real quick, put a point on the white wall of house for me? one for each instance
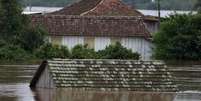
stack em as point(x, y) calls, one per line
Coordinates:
point(72, 41)
point(101, 43)
point(136, 44)
point(140, 45)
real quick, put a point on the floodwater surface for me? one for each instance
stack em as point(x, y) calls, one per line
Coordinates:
point(14, 86)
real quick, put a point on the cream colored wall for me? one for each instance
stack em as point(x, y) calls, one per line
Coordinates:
point(56, 40)
point(90, 42)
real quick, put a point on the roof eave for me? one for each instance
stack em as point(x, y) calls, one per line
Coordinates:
point(38, 74)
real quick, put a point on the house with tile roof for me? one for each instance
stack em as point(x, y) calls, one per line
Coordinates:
point(98, 23)
point(104, 75)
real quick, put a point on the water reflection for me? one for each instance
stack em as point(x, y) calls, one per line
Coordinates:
point(14, 83)
point(16, 92)
point(188, 97)
point(69, 95)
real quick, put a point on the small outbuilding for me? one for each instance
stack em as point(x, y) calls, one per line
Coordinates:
point(104, 75)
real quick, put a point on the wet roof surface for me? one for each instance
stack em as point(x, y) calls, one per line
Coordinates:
point(111, 75)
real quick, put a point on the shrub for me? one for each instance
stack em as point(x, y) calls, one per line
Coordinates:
point(49, 51)
point(16, 27)
point(117, 51)
point(13, 53)
point(82, 52)
point(33, 38)
point(2, 43)
point(179, 38)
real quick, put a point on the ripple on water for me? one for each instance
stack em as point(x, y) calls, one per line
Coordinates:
point(16, 92)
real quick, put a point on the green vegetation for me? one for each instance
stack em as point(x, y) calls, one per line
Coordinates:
point(33, 38)
point(140, 4)
point(198, 5)
point(116, 51)
point(179, 38)
point(13, 53)
point(49, 51)
point(18, 38)
point(16, 29)
point(82, 52)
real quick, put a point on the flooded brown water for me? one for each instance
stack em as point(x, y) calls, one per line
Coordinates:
point(14, 86)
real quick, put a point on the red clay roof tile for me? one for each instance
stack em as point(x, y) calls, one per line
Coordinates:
point(98, 8)
point(111, 26)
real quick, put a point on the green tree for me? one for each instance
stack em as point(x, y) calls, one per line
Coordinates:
point(49, 51)
point(198, 5)
point(13, 53)
point(179, 38)
point(16, 28)
point(33, 38)
point(117, 51)
point(12, 21)
point(18, 39)
point(82, 52)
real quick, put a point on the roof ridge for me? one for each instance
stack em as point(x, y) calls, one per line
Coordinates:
point(78, 7)
point(117, 7)
point(92, 8)
point(99, 8)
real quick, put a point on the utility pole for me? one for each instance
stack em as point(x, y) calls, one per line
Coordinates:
point(159, 11)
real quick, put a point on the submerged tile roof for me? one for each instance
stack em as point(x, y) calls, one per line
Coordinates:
point(109, 26)
point(109, 75)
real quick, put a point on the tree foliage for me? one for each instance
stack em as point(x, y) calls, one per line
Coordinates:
point(33, 38)
point(49, 51)
point(82, 52)
point(198, 5)
point(13, 53)
point(12, 21)
point(179, 38)
point(117, 51)
point(16, 28)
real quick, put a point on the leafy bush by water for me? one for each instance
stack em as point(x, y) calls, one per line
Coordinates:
point(82, 52)
point(117, 51)
point(179, 38)
point(49, 51)
point(13, 53)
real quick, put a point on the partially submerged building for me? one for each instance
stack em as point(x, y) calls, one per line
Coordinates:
point(104, 75)
point(100, 23)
